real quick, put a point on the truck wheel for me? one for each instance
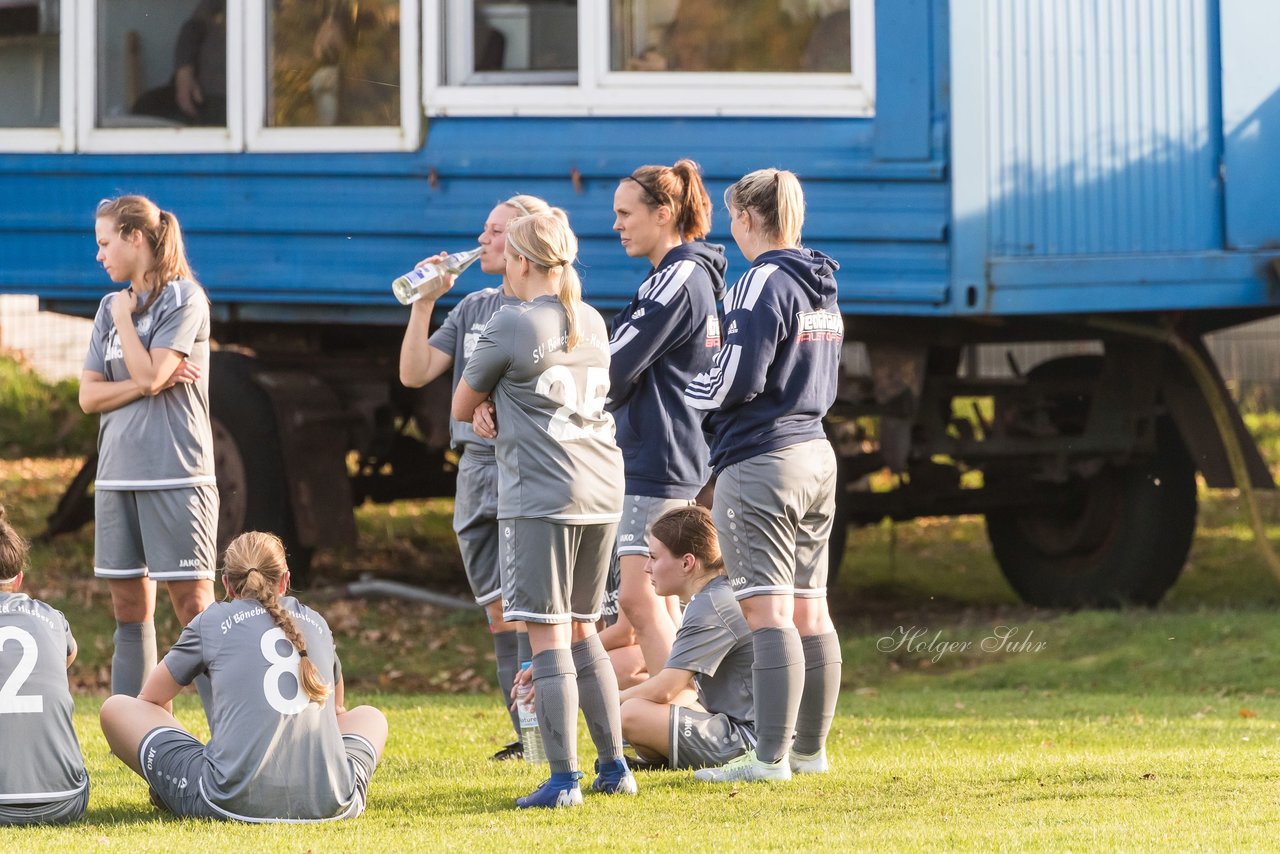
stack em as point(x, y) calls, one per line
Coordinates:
point(252, 492)
point(1121, 539)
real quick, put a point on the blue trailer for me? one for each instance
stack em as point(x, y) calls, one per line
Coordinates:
point(986, 172)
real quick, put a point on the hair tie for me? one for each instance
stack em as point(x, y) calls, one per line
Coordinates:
point(302, 653)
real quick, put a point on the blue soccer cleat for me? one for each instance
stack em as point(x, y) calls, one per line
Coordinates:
point(614, 778)
point(560, 791)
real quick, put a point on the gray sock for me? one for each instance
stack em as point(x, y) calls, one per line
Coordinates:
point(524, 649)
point(134, 657)
point(205, 689)
point(506, 649)
point(598, 696)
point(821, 688)
point(777, 683)
point(557, 705)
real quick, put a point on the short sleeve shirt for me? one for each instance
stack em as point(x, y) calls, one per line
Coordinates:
point(714, 643)
point(556, 453)
point(42, 761)
point(457, 336)
point(162, 441)
point(272, 753)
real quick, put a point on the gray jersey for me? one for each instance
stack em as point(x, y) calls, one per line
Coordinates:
point(271, 752)
point(457, 336)
point(556, 455)
point(162, 441)
point(42, 760)
point(714, 643)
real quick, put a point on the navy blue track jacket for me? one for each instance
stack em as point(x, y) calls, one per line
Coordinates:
point(775, 377)
point(667, 335)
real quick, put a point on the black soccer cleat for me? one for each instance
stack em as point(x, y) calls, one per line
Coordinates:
point(514, 750)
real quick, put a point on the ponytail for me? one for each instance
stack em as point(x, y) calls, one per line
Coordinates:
point(776, 198)
point(163, 235)
point(254, 565)
point(546, 240)
point(680, 188)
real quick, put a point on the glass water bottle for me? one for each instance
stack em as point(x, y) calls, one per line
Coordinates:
point(428, 280)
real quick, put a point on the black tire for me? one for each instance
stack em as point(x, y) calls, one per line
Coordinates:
point(252, 491)
point(1121, 539)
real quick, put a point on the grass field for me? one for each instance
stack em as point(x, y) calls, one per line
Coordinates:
point(968, 721)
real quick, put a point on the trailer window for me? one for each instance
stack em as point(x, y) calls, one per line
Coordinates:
point(730, 35)
point(519, 42)
point(29, 97)
point(334, 64)
point(654, 57)
point(161, 63)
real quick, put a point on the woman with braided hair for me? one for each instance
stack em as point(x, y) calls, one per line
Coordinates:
point(282, 746)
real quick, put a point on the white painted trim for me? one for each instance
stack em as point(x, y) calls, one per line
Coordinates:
point(406, 137)
point(90, 138)
point(62, 137)
point(600, 91)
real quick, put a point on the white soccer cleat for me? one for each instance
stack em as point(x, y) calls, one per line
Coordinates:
point(746, 768)
point(810, 763)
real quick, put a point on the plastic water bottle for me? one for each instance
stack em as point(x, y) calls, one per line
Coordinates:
point(530, 735)
point(428, 280)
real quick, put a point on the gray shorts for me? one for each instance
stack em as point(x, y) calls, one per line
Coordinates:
point(167, 534)
point(773, 515)
point(560, 573)
point(49, 812)
point(702, 739)
point(173, 762)
point(639, 512)
point(475, 521)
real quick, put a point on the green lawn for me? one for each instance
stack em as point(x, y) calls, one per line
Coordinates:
point(1120, 730)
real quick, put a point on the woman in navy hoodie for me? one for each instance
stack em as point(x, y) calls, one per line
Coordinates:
point(667, 335)
point(765, 397)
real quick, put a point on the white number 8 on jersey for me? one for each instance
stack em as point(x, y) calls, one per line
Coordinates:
point(280, 665)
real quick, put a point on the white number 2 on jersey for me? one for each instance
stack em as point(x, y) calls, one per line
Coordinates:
point(10, 702)
point(557, 383)
point(280, 665)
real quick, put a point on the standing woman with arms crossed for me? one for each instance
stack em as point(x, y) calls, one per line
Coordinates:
point(155, 498)
point(545, 364)
point(771, 385)
point(667, 335)
point(423, 357)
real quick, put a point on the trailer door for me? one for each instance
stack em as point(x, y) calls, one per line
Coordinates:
point(1251, 122)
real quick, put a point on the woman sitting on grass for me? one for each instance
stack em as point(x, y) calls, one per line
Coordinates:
point(663, 718)
point(282, 747)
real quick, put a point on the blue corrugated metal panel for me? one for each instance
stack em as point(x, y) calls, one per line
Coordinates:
point(1101, 127)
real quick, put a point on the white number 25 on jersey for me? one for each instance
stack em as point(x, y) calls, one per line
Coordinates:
point(557, 384)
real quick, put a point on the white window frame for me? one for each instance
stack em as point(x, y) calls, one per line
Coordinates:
point(406, 137)
point(91, 138)
point(601, 91)
point(63, 136)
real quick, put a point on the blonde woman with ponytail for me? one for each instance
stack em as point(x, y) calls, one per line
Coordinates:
point(283, 747)
point(545, 366)
point(765, 398)
point(426, 355)
point(146, 374)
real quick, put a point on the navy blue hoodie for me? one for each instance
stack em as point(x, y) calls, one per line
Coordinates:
point(775, 377)
point(667, 335)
